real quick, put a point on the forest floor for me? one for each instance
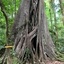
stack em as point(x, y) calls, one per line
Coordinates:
point(54, 62)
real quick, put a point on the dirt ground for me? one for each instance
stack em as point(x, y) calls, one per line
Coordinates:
point(54, 62)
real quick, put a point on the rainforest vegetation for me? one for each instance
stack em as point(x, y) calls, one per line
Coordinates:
point(26, 24)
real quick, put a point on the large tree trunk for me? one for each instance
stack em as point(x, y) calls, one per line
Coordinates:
point(30, 33)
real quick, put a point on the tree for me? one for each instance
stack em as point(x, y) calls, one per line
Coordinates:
point(5, 52)
point(62, 10)
point(30, 33)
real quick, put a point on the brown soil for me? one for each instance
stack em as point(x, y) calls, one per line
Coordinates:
point(54, 62)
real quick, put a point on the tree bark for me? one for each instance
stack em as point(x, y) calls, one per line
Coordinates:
point(30, 32)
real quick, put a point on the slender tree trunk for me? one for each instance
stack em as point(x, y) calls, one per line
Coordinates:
point(62, 10)
point(55, 19)
point(7, 51)
point(51, 18)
